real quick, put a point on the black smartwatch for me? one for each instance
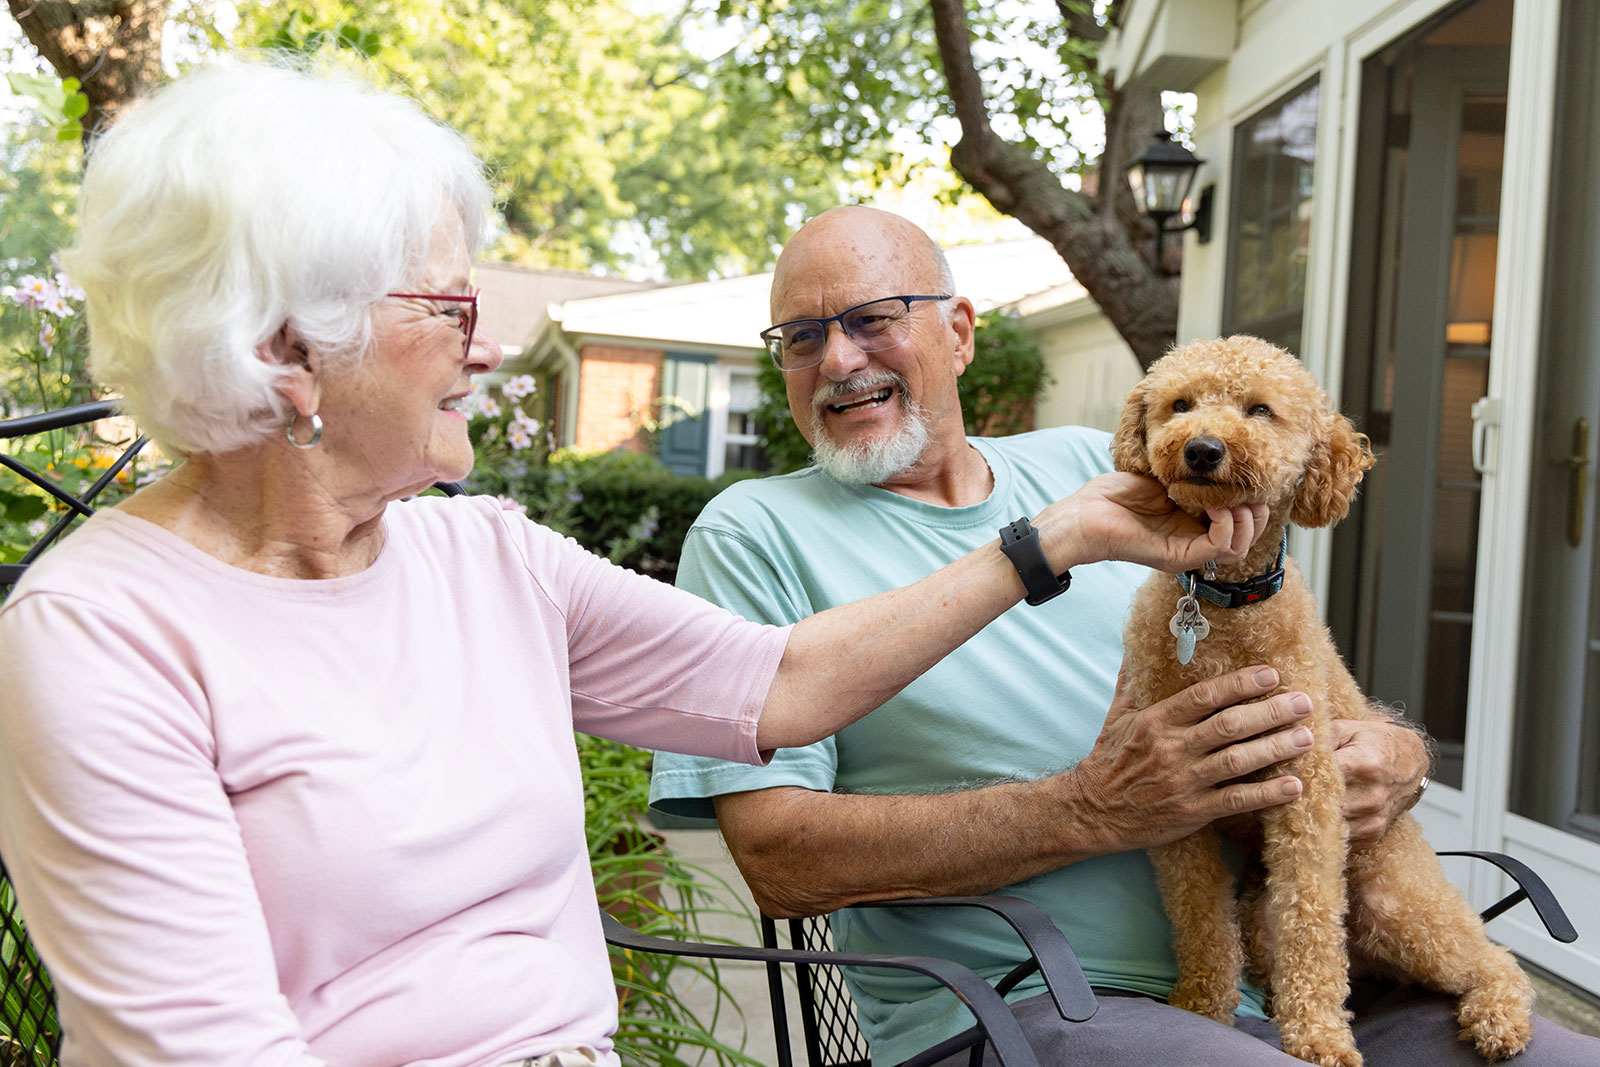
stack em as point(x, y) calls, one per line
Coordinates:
point(1020, 542)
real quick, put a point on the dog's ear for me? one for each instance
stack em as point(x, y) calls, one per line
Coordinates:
point(1127, 444)
point(1338, 462)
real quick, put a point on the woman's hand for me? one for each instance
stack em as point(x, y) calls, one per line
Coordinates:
point(1129, 517)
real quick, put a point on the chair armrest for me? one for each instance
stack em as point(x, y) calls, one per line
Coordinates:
point(1529, 887)
point(1052, 954)
point(59, 419)
point(74, 505)
point(993, 1015)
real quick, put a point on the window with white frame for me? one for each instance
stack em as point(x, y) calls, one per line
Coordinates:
point(742, 441)
point(1269, 223)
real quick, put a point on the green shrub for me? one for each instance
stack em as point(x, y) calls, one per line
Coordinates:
point(632, 509)
point(1005, 377)
point(623, 505)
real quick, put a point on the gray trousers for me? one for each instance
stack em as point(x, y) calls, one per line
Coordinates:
point(1394, 1027)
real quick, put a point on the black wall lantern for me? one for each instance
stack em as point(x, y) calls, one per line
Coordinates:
point(1161, 178)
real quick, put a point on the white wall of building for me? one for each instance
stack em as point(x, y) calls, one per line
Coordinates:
point(1091, 367)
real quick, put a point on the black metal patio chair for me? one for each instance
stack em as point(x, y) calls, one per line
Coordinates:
point(829, 1031)
point(74, 505)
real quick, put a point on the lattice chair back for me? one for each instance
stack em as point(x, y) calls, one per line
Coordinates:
point(72, 505)
point(29, 1033)
point(827, 1014)
point(30, 1036)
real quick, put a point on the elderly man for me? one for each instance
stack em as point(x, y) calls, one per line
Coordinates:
point(1000, 769)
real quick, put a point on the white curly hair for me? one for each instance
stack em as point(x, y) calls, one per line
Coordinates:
point(242, 198)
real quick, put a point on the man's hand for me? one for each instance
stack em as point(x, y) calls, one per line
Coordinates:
point(1159, 774)
point(1129, 517)
point(1383, 765)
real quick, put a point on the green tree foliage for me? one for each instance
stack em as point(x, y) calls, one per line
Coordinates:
point(614, 143)
point(997, 392)
point(608, 140)
point(1019, 81)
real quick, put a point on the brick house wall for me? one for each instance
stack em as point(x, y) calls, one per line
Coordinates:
point(614, 389)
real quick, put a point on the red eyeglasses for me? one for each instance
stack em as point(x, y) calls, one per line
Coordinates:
point(467, 316)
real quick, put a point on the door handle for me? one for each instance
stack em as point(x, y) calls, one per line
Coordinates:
point(1485, 414)
point(1577, 465)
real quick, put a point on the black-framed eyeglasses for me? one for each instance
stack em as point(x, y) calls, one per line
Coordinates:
point(467, 316)
point(872, 327)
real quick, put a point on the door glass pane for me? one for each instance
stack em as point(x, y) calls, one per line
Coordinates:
point(1469, 325)
point(1274, 162)
point(1556, 766)
point(1422, 310)
point(684, 426)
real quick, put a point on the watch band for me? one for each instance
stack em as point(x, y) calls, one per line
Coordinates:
point(1020, 542)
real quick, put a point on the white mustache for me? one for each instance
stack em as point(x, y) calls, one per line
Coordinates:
point(861, 383)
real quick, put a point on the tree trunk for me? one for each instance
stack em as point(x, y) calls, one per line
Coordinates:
point(113, 48)
point(1101, 236)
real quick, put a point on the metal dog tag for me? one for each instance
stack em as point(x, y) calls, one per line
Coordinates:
point(1188, 626)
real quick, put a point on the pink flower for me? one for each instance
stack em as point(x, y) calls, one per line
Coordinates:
point(32, 291)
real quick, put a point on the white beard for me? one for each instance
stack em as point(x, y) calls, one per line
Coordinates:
point(878, 459)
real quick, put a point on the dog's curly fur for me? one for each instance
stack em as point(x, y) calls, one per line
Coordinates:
point(1282, 445)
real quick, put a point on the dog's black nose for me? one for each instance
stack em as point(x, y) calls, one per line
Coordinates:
point(1204, 454)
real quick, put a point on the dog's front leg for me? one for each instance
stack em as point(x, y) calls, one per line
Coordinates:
point(1304, 855)
point(1197, 889)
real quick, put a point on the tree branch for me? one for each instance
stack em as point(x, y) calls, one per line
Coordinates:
point(1139, 303)
point(112, 47)
point(1079, 17)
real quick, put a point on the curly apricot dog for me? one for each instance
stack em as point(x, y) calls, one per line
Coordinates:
point(1239, 421)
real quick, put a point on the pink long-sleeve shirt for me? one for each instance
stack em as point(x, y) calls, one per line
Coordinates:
point(263, 821)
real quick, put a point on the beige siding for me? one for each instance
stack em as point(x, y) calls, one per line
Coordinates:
point(1091, 367)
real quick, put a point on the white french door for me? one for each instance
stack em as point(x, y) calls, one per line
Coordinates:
point(1467, 584)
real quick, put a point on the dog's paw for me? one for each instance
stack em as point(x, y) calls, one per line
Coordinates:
point(1339, 1056)
point(1497, 1022)
point(1207, 999)
point(1326, 1042)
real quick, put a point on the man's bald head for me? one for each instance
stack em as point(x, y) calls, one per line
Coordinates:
point(864, 245)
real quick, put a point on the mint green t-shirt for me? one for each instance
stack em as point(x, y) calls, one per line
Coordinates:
point(1023, 699)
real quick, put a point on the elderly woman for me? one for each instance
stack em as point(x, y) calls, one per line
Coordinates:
point(288, 770)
